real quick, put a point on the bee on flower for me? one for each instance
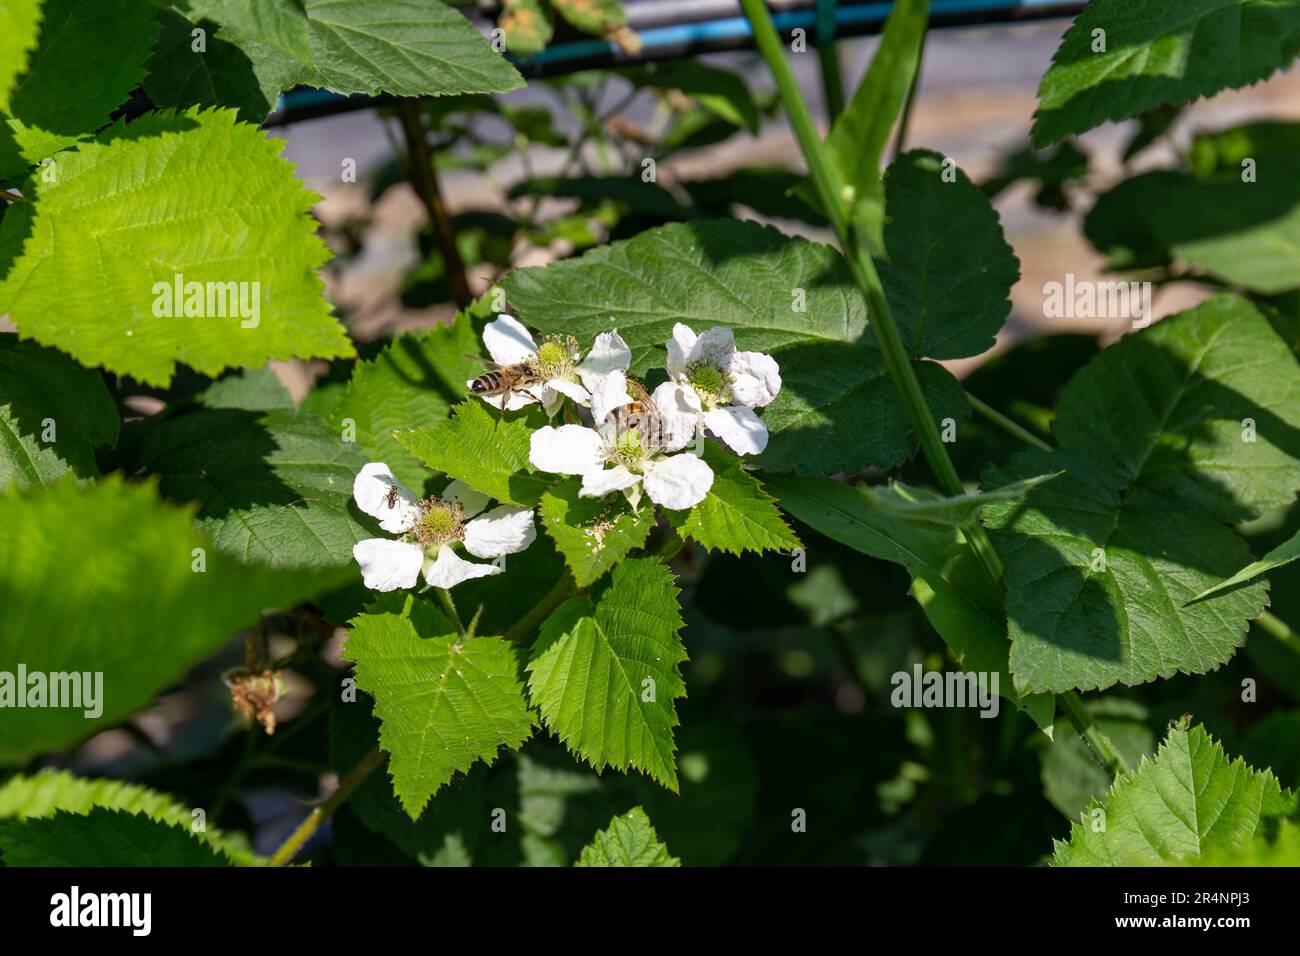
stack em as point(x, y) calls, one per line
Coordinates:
point(525, 372)
point(720, 387)
point(633, 447)
point(430, 531)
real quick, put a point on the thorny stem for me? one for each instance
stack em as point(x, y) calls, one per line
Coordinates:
point(897, 361)
point(448, 605)
point(290, 847)
point(829, 58)
point(905, 121)
point(1103, 751)
point(424, 177)
point(1013, 428)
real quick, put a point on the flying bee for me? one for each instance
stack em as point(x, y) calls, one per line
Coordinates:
point(505, 380)
point(643, 415)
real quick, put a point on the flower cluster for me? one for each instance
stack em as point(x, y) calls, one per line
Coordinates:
point(617, 437)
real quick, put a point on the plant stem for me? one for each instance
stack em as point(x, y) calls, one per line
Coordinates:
point(290, 847)
point(1013, 428)
point(905, 120)
point(424, 177)
point(564, 589)
point(448, 605)
point(1096, 741)
point(828, 58)
point(897, 361)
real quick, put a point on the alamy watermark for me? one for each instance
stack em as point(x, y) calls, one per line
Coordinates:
point(57, 690)
point(942, 689)
point(208, 300)
point(1085, 299)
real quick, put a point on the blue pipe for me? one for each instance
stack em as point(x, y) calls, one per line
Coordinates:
point(729, 28)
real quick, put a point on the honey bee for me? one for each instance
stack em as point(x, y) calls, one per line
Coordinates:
point(505, 380)
point(643, 415)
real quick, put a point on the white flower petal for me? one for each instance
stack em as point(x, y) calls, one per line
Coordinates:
point(755, 378)
point(569, 389)
point(680, 414)
point(567, 450)
point(506, 529)
point(597, 484)
point(388, 565)
point(713, 347)
point(608, 354)
point(372, 489)
point(678, 482)
point(471, 500)
point(507, 340)
point(679, 347)
point(608, 392)
point(516, 401)
point(449, 569)
point(739, 428)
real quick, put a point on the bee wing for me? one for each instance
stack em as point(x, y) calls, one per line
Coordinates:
point(487, 363)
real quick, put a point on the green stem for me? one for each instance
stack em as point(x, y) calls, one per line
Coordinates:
point(1096, 741)
point(564, 589)
point(448, 605)
point(905, 120)
point(290, 847)
point(897, 361)
point(1013, 428)
point(828, 58)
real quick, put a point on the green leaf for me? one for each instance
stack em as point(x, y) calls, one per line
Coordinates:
point(246, 76)
point(251, 389)
point(737, 515)
point(593, 534)
point(131, 590)
point(1243, 234)
point(20, 22)
point(1188, 801)
point(914, 504)
point(528, 26)
point(372, 46)
point(949, 584)
point(123, 219)
point(947, 302)
point(1279, 849)
point(104, 837)
point(1101, 562)
point(40, 387)
point(445, 701)
point(719, 91)
point(90, 56)
point(860, 134)
point(1284, 553)
point(630, 840)
point(486, 450)
point(605, 678)
point(749, 278)
point(43, 794)
point(1171, 51)
point(414, 381)
point(273, 487)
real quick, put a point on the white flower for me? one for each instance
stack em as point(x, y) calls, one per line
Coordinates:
point(612, 460)
point(719, 386)
point(429, 531)
point(554, 363)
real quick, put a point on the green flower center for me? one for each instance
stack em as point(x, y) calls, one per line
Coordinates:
point(709, 383)
point(440, 522)
point(556, 356)
point(627, 449)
